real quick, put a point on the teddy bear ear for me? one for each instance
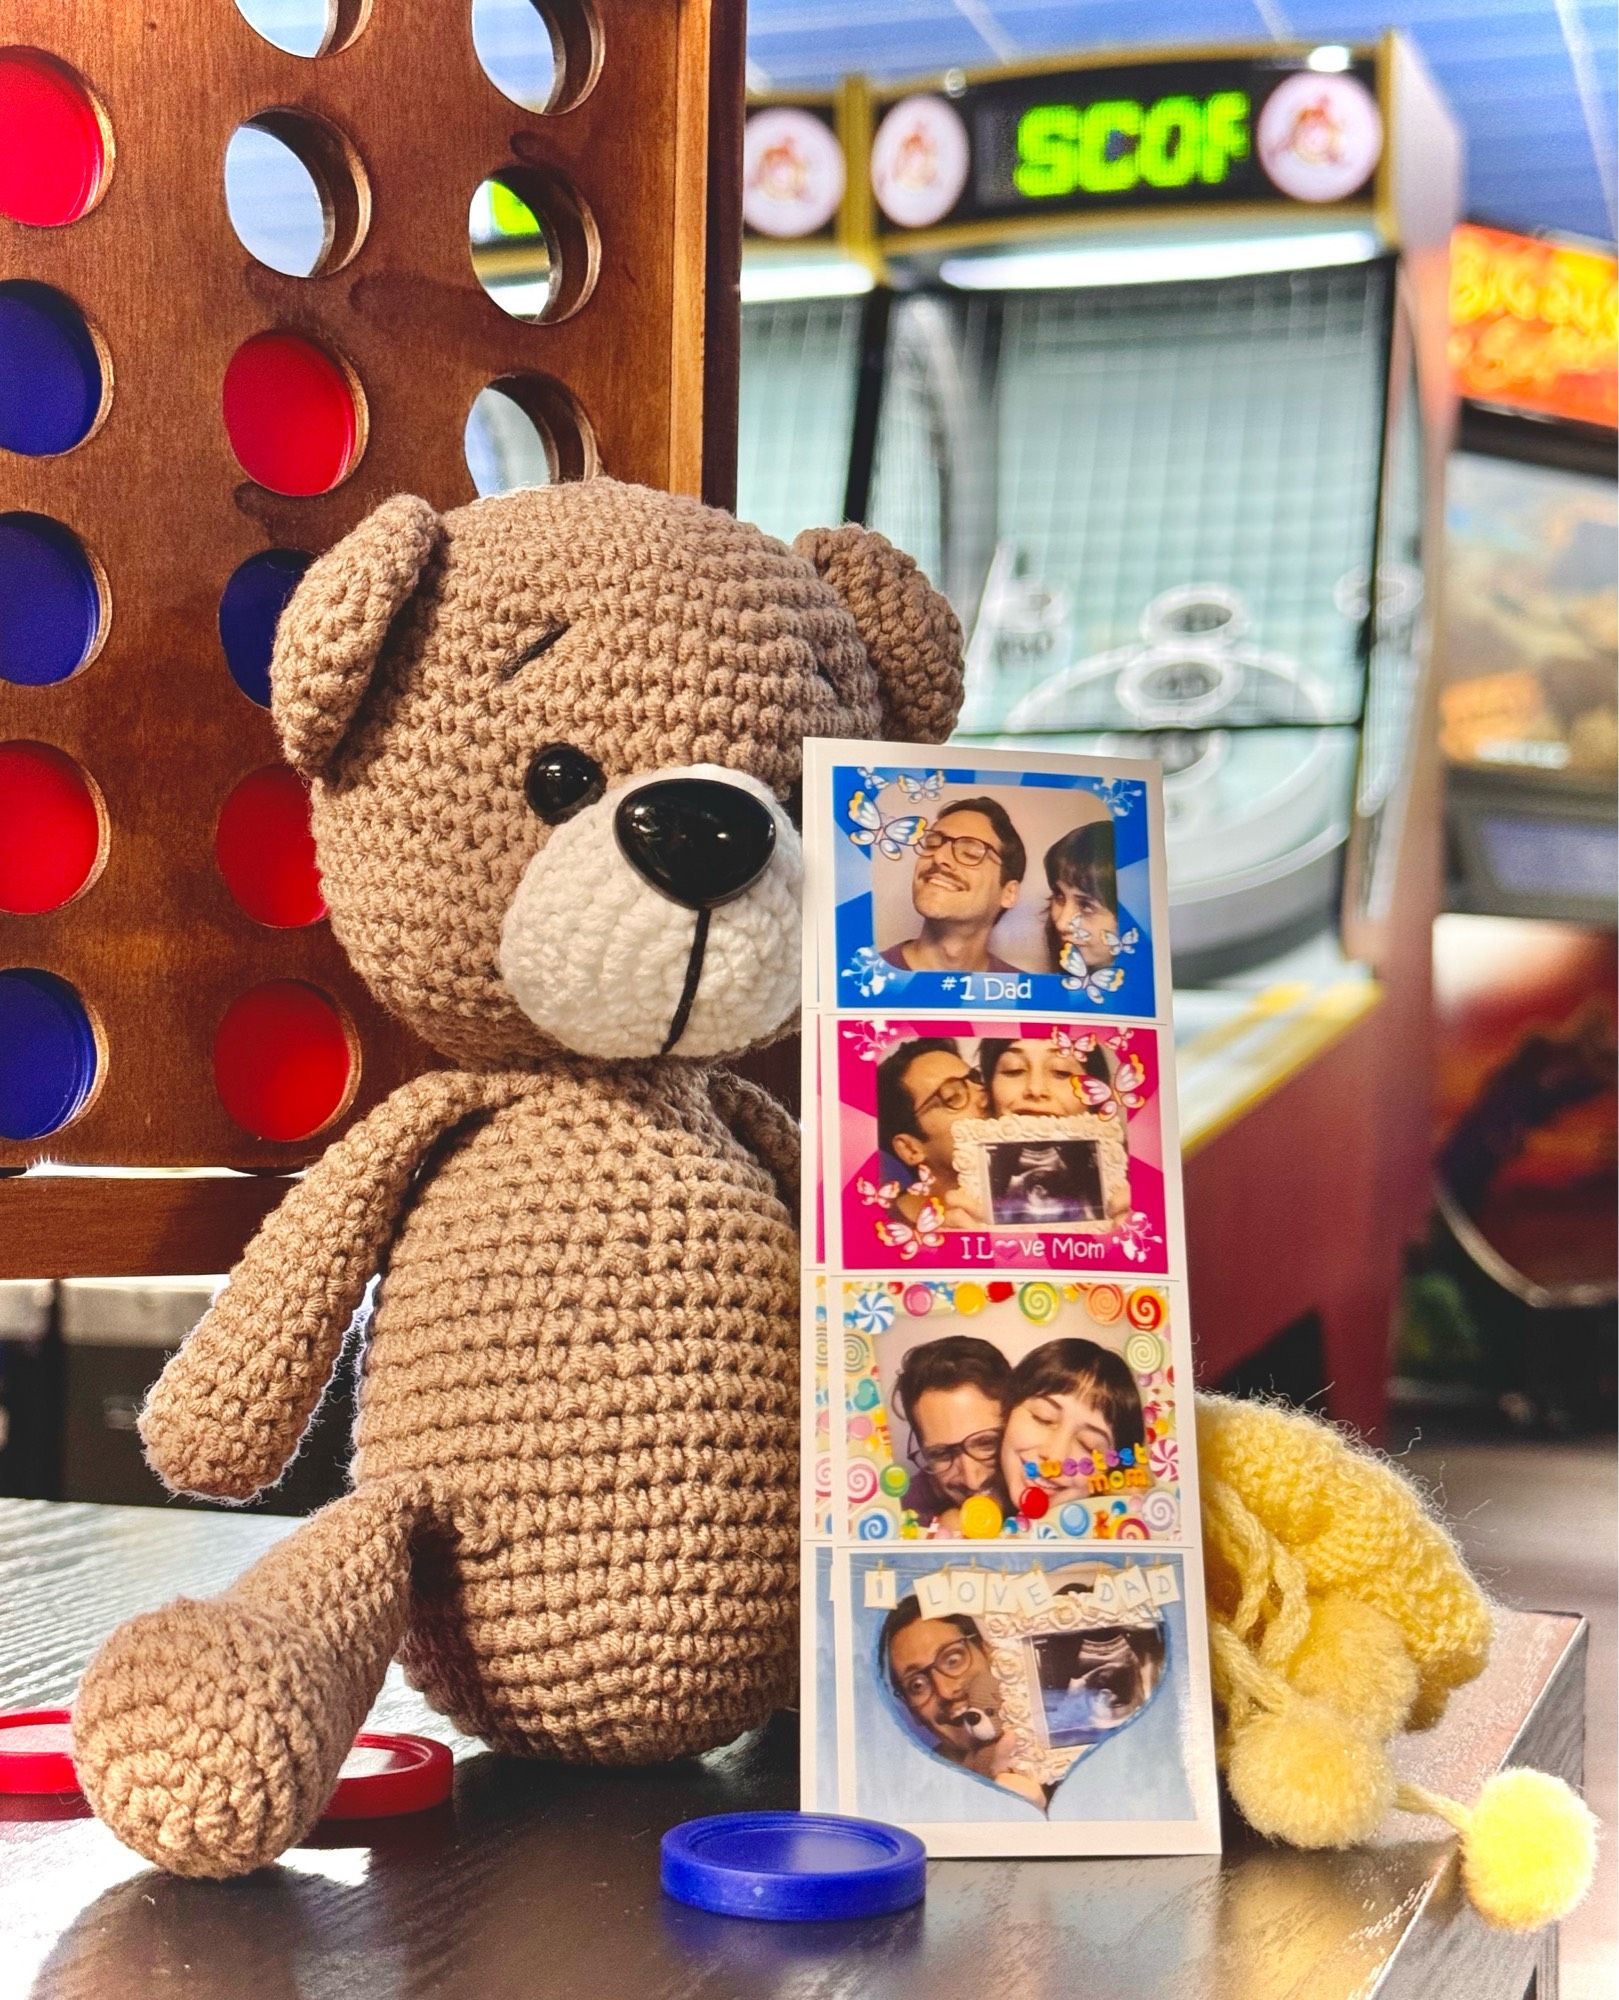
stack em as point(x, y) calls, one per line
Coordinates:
point(335, 622)
point(911, 635)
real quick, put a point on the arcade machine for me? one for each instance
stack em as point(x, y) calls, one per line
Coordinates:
point(237, 310)
point(1199, 302)
point(1517, 1307)
point(808, 315)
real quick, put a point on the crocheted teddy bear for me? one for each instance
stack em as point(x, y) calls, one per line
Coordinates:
point(553, 740)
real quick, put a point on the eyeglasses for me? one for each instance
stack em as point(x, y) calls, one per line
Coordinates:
point(983, 1447)
point(955, 1094)
point(967, 847)
point(951, 1663)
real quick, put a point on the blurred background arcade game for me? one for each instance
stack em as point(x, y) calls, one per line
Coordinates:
point(1144, 356)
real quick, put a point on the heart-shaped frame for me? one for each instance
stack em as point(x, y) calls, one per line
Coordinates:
point(1068, 1669)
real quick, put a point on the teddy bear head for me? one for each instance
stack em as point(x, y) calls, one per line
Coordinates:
point(554, 742)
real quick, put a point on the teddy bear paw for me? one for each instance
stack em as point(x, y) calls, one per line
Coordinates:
point(195, 1742)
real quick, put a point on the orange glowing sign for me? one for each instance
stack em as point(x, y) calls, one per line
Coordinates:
point(1532, 324)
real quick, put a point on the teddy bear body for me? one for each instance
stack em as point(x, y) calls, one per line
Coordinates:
point(585, 1351)
point(554, 742)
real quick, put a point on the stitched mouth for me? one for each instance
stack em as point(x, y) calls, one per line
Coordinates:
point(688, 992)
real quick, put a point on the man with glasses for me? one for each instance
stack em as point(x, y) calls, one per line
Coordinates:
point(924, 1087)
point(950, 1394)
point(939, 1668)
point(968, 873)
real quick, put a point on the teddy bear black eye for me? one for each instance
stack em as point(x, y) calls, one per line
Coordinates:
point(562, 781)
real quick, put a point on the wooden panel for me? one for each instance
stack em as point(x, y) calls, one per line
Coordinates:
point(156, 946)
point(150, 1226)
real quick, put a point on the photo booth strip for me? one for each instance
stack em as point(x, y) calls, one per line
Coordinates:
point(1033, 1231)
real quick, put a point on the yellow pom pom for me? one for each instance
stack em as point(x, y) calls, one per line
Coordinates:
point(1310, 1777)
point(1353, 1657)
point(1529, 1850)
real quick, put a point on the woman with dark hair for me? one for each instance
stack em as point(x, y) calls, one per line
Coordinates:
point(1070, 1404)
point(1083, 910)
point(1030, 1076)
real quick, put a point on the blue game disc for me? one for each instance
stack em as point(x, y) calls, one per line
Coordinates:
point(50, 372)
point(50, 602)
point(252, 601)
point(47, 1053)
point(793, 1867)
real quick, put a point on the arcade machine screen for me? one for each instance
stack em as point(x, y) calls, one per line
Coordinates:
point(1527, 709)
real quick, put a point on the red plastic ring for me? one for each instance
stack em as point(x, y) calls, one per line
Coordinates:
point(423, 1777)
point(37, 1770)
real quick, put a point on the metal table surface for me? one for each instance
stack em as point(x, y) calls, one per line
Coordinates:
point(539, 1879)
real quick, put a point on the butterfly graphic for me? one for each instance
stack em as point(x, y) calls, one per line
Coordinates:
point(922, 788)
point(1123, 1093)
point(1121, 947)
point(888, 836)
point(906, 1238)
point(1077, 977)
point(877, 1196)
point(874, 781)
point(1066, 1045)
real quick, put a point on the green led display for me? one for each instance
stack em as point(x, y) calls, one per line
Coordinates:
point(1121, 143)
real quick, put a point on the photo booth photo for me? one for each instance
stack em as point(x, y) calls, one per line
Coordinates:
point(1038, 1140)
point(1003, 1409)
point(976, 888)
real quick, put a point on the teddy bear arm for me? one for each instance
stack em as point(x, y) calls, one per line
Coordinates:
point(764, 1126)
point(228, 1412)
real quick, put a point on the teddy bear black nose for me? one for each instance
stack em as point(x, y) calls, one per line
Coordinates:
point(700, 841)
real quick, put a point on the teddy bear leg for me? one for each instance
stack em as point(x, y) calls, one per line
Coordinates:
point(208, 1735)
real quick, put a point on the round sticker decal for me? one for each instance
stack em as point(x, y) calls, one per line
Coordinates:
point(919, 162)
point(1320, 136)
point(792, 173)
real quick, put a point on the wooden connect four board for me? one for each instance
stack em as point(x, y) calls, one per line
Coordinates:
point(169, 994)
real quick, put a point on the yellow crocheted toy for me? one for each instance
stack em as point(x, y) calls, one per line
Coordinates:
point(1341, 1613)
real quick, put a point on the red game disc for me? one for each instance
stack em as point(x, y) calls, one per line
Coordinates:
point(36, 1751)
point(383, 1775)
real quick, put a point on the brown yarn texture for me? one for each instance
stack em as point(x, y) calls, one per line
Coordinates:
point(575, 1501)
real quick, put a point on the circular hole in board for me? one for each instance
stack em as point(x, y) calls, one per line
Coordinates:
point(526, 430)
point(266, 851)
point(53, 378)
point(53, 829)
point(48, 1053)
point(55, 142)
point(306, 27)
point(296, 193)
point(545, 55)
point(53, 601)
point(293, 413)
point(285, 1060)
point(249, 606)
point(534, 245)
